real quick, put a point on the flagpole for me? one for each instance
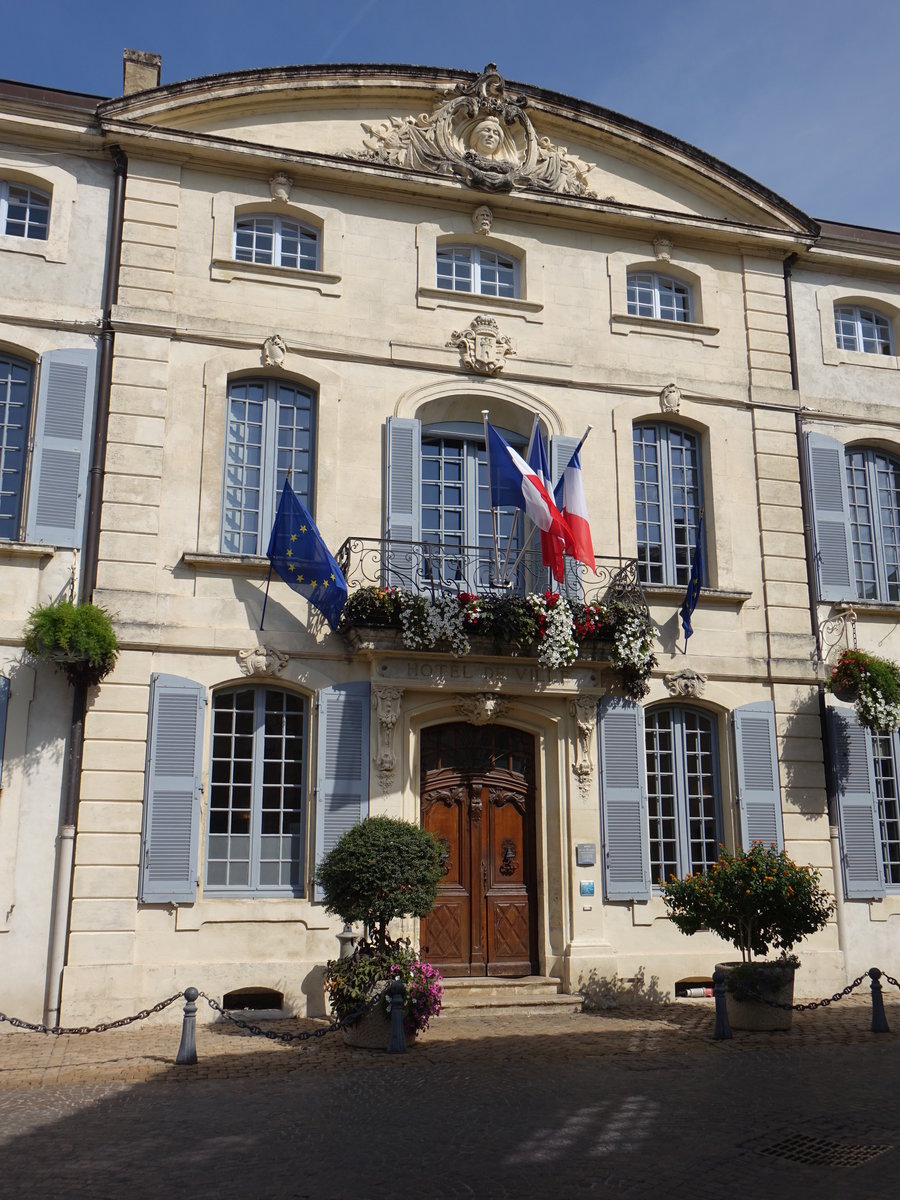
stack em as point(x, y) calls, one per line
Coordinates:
point(266, 598)
point(485, 412)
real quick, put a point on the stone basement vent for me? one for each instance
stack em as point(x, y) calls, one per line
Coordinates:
point(818, 1152)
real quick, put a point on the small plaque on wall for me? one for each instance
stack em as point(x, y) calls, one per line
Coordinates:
point(587, 887)
point(585, 854)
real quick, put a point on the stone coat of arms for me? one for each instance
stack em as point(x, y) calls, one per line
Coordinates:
point(482, 348)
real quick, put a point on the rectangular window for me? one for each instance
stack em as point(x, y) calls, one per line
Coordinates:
point(884, 747)
point(15, 415)
point(24, 211)
point(270, 432)
point(667, 498)
point(682, 792)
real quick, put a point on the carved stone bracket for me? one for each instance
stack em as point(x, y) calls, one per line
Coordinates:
point(273, 351)
point(685, 683)
point(481, 347)
point(481, 708)
point(482, 135)
point(584, 710)
point(262, 660)
point(386, 702)
point(280, 186)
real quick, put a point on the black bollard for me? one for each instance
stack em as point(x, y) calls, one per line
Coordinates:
point(187, 1051)
point(397, 1044)
point(879, 1020)
point(723, 1029)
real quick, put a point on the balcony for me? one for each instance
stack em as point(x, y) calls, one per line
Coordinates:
point(409, 597)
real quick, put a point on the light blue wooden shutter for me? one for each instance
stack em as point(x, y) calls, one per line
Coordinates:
point(62, 447)
point(854, 775)
point(561, 450)
point(835, 571)
point(623, 800)
point(403, 498)
point(759, 790)
point(342, 764)
point(172, 788)
point(4, 705)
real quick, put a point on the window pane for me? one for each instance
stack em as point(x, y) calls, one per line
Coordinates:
point(15, 405)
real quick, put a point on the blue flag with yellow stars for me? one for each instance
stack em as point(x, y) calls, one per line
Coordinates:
point(692, 594)
point(302, 559)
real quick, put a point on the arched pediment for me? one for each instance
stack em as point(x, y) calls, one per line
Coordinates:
point(465, 131)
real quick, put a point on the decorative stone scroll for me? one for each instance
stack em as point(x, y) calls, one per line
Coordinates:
point(386, 702)
point(483, 136)
point(686, 683)
point(481, 708)
point(262, 660)
point(273, 351)
point(670, 398)
point(584, 710)
point(280, 186)
point(482, 348)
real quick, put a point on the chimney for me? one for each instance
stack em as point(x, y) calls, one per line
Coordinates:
point(141, 71)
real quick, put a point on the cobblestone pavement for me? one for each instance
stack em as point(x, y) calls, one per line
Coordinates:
point(634, 1102)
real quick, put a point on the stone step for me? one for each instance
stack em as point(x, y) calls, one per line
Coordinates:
point(498, 994)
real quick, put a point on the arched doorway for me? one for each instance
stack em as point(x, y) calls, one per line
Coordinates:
point(478, 799)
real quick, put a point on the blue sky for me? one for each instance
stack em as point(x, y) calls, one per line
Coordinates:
point(799, 94)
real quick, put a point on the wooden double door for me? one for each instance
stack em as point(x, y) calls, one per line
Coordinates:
point(477, 798)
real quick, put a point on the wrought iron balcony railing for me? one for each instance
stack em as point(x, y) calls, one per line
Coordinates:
point(433, 568)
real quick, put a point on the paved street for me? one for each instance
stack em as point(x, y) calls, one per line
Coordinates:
point(634, 1102)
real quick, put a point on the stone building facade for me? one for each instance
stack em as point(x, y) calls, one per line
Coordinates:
point(338, 273)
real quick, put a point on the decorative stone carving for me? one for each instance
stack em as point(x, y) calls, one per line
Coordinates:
point(386, 701)
point(662, 248)
point(481, 347)
point(262, 660)
point(280, 186)
point(686, 683)
point(481, 708)
point(482, 135)
point(670, 398)
point(584, 710)
point(482, 219)
point(273, 351)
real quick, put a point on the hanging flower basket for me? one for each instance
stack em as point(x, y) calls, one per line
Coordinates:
point(77, 639)
point(871, 684)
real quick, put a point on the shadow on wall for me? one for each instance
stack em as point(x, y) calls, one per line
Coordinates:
point(42, 724)
point(604, 992)
point(802, 764)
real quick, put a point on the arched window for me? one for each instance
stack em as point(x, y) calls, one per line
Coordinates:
point(668, 500)
point(276, 241)
point(863, 329)
point(15, 415)
point(257, 791)
point(24, 211)
point(873, 487)
point(658, 296)
point(683, 791)
point(475, 269)
point(456, 507)
point(270, 432)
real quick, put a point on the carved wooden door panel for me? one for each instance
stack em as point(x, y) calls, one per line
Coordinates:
point(482, 809)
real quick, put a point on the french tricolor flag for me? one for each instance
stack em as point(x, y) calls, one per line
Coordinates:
point(569, 497)
point(555, 541)
point(517, 485)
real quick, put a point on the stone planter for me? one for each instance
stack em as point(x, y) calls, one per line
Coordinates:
point(774, 981)
point(371, 1032)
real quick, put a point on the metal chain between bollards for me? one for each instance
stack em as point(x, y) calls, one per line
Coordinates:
point(62, 1031)
point(743, 991)
point(275, 1036)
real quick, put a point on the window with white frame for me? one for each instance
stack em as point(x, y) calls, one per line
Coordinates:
point(15, 415)
point(886, 756)
point(683, 792)
point(658, 296)
point(276, 241)
point(873, 489)
point(257, 791)
point(270, 432)
point(668, 501)
point(475, 269)
point(24, 211)
point(862, 329)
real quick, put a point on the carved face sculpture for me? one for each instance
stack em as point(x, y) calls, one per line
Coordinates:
point(486, 137)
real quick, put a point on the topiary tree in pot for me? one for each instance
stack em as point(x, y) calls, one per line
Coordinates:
point(381, 870)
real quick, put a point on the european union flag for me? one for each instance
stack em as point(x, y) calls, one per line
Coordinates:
point(302, 559)
point(692, 594)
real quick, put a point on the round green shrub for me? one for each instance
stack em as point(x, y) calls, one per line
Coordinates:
point(78, 639)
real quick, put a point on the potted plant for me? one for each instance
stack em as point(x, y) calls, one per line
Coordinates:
point(77, 639)
point(872, 683)
point(757, 899)
point(380, 870)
